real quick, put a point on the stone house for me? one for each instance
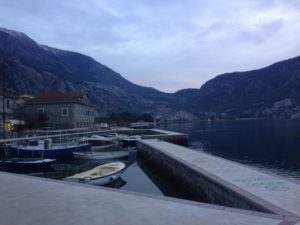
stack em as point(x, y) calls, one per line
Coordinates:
point(8, 107)
point(62, 110)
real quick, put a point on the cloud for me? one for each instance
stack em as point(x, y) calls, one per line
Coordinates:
point(153, 42)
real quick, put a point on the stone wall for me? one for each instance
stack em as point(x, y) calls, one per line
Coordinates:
point(202, 185)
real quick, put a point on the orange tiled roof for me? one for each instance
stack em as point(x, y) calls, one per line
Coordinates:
point(56, 97)
point(75, 95)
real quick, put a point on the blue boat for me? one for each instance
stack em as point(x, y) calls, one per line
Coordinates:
point(45, 149)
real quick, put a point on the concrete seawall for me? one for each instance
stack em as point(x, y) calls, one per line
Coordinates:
point(200, 184)
point(224, 182)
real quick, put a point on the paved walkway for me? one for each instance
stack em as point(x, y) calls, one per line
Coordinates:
point(34, 201)
point(278, 194)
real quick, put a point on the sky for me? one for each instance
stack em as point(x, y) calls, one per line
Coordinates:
point(169, 44)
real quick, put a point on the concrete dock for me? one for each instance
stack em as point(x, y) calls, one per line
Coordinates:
point(35, 201)
point(226, 182)
point(170, 136)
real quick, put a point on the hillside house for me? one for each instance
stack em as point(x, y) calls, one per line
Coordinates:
point(61, 110)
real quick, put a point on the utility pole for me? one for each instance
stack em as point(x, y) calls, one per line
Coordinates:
point(3, 102)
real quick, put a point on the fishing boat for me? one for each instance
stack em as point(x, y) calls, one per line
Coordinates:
point(99, 175)
point(100, 155)
point(26, 163)
point(45, 149)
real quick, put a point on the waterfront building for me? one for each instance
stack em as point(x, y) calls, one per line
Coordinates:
point(61, 110)
point(7, 105)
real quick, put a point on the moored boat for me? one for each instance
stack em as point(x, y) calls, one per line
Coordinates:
point(129, 141)
point(99, 175)
point(96, 140)
point(100, 155)
point(105, 147)
point(45, 149)
point(26, 163)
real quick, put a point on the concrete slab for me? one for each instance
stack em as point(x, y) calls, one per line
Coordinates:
point(278, 194)
point(33, 201)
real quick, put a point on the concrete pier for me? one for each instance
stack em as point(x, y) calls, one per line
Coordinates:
point(169, 136)
point(35, 201)
point(173, 137)
point(226, 182)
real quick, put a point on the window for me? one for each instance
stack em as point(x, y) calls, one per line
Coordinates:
point(7, 104)
point(41, 110)
point(65, 111)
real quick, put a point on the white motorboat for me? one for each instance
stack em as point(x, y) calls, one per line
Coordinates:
point(100, 155)
point(99, 175)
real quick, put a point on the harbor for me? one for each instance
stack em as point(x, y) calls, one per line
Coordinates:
point(234, 193)
point(116, 112)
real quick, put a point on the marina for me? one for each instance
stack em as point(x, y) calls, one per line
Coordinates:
point(236, 193)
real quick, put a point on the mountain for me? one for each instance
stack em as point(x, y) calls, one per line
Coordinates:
point(270, 91)
point(188, 93)
point(31, 68)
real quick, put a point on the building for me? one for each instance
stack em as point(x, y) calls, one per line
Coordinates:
point(20, 101)
point(8, 107)
point(60, 110)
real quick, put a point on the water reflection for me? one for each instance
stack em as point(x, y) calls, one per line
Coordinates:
point(63, 169)
point(132, 179)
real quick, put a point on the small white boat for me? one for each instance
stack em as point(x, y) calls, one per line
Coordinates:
point(99, 175)
point(100, 155)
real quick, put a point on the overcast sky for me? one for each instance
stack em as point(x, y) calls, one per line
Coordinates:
point(166, 44)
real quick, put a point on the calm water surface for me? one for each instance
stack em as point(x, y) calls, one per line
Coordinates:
point(267, 144)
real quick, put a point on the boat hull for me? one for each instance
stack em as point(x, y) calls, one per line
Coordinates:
point(30, 164)
point(95, 176)
point(103, 180)
point(56, 153)
point(112, 147)
point(99, 156)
